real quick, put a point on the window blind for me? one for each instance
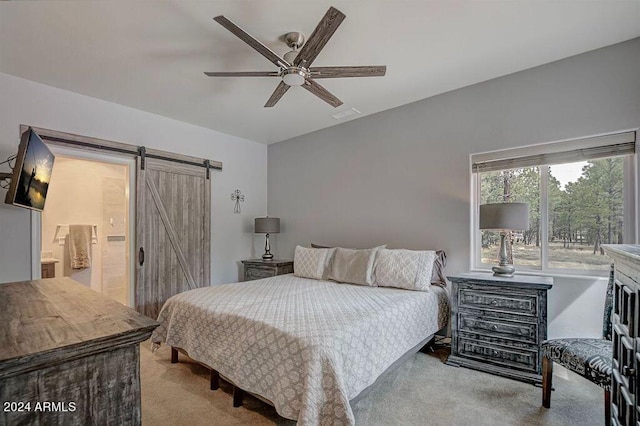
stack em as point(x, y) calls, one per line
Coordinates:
point(556, 153)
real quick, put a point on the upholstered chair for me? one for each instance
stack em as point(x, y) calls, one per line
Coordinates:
point(590, 358)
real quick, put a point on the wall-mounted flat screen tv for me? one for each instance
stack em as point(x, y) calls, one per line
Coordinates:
point(31, 174)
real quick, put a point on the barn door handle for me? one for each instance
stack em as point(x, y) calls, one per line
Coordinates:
point(141, 256)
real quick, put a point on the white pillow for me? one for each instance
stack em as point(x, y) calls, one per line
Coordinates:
point(406, 269)
point(311, 262)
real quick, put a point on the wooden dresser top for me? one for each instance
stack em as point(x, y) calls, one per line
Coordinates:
point(528, 281)
point(52, 319)
point(262, 262)
point(630, 251)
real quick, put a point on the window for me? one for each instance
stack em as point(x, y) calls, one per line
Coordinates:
point(515, 185)
point(580, 195)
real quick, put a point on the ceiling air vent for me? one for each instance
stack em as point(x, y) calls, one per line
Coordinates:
point(346, 113)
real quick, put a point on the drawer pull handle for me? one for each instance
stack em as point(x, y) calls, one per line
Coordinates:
point(494, 327)
point(496, 353)
point(494, 302)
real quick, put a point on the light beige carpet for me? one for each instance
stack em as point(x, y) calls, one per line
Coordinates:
point(423, 391)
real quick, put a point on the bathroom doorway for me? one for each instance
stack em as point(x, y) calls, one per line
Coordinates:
point(86, 228)
point(163, 255)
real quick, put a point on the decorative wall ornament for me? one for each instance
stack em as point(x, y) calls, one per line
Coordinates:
point(238, 198)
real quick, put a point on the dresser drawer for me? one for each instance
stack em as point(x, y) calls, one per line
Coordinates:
point(523, 332)
point(624, 309)
point(628, 275)
point(286, 269)
point(498, 300)
point(514, 358)
point(256, 269)
point(258, 273)
point(622, 401)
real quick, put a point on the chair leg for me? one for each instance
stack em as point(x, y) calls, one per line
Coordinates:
point(547, 376)
point(174, 355)
point(215, 379)
point(607, 408)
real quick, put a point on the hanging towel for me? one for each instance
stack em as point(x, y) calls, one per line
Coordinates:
point(80, 246)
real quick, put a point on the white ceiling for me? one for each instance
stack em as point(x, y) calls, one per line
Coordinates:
point(151, 55)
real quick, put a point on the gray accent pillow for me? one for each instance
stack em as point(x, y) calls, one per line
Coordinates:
point(437, 276)
point(354, 266)
point(319, 246)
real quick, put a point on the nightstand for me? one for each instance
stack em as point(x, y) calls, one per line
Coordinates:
point(255, 269)
point(498, 324)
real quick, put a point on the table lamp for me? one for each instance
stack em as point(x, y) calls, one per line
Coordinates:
point(504, 217)
point(267, 225)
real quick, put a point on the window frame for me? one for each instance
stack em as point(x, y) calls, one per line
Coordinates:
point(630, 178)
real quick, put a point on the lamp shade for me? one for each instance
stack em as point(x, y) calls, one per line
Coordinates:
point(267, 225)
point(511, 216)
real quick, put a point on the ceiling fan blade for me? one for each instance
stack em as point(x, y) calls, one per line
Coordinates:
point(281, 89)
point(339, 72)
point(322, 93)
point(251, 41)
point(320, 36)
point(244, 74)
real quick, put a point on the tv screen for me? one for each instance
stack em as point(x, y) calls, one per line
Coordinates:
point(31, 174)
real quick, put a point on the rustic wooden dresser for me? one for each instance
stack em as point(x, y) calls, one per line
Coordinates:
point(625, 383)
point(497, 324)
point(68, 355)
point(255, 269)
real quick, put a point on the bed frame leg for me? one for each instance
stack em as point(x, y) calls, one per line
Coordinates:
point(215, 379)
point(429, 347)
point(237, 396)
point(174, 355)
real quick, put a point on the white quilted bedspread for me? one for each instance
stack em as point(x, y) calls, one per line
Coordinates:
point(308, 346)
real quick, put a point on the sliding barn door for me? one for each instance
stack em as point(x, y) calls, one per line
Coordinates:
point(172, 232)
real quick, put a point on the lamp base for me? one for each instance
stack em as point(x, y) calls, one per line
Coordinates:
point(504, 268)
point(267, 250)
point(505, 271)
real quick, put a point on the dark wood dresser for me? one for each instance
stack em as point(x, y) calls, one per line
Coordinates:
point(255, 269)
point(68, 355)
point(498, 324)
point(625, 383)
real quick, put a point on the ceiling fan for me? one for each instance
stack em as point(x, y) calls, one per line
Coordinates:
point(295, 67)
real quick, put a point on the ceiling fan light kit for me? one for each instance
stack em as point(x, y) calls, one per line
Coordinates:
point(295, 67)
point(294, 76)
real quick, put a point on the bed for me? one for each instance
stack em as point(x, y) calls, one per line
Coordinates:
point(306, 346)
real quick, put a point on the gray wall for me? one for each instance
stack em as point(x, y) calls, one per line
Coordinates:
point(244, 162)
point(401, 177)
